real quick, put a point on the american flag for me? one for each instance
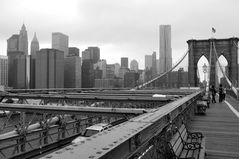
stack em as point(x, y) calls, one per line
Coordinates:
point(213, 30)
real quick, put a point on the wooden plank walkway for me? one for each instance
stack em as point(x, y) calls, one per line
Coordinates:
point(221, 128)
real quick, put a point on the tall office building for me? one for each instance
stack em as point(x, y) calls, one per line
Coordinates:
point(49, 68)
point(34, 50)
point(91, 53)
point(154, 64)
point(3, 70)
point(165, 51)
point(87, 73)
point(72, 72)
point(17, 63)
point(134, 65)
point(34, 45)
point(12, 43)
point(148, 62)
point(23, 40)
point(117, 68)
point(60, 42)
point(124, 62)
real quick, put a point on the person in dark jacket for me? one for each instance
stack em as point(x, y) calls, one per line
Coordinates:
point(213, 92)
point(221, 91)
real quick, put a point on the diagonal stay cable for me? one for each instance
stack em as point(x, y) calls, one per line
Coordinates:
point(224, 75)
point(154, 79)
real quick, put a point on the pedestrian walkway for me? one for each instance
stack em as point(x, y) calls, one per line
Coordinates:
point(220, 125)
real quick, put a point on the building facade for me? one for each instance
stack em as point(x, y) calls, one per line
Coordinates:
point(4, 71)
point(17, 63)
point(72, 72)
point(165, 51)
point(34, 50)
point(131, 79)
point(91, 53)
point(34, 45)
point(124, 62)
point(23, 40)
point(12, 43)
point(73, 51)
point(60, 42)
point(148, 62)
point(154, 64)
point(134, 65)
point(49, 68)
point(88, 76)
point(101, 65)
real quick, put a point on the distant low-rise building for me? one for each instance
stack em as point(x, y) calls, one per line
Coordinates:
point(110, 71)
point(109, 83)
point(131, 79)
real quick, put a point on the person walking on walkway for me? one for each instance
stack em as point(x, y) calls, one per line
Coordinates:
point(213, 92)
point(221, 91)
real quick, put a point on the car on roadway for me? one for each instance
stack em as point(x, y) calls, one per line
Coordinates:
point(90, 131)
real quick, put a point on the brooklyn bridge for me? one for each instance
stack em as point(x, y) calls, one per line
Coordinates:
point(151, 120)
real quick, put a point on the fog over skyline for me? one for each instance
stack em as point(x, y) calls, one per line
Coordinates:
point(123, 28)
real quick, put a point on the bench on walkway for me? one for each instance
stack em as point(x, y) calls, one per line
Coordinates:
point(187, 145)
point(206, 98)
point(201, 107)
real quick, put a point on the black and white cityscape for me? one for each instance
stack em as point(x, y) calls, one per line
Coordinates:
point(128, 79)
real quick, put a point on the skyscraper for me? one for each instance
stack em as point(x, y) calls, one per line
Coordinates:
point(91, 53)
point(72, 72)
point(60, 42)
point(34, 50)
point(154, 64)
point(49, 68)
point(23, 40)
point(87, 74)
point(3, 70)
point(17, 69)
point(148, 62)
point(124, 62)
point(12, 43)
point(34, 45)
point(134, 65)
point(165, 51)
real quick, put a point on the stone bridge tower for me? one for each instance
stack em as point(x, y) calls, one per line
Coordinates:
point(225, 47)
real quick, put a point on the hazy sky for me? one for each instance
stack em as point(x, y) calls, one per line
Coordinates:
point(119, 27)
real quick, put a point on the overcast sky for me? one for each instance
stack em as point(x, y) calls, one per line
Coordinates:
point(119, 27)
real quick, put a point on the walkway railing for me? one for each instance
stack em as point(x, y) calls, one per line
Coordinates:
point(141, 135)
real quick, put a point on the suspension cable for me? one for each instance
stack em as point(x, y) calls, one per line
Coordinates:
point(154, 79)
point(227, 79)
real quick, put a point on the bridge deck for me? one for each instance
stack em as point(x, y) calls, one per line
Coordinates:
point(221, 128)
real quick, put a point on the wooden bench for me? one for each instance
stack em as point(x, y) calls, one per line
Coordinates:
point(186, 145)
point(206, 98)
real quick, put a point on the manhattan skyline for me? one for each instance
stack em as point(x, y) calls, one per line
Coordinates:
point(118, 28)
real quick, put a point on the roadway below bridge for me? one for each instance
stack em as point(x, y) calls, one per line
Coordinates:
point(220, 125)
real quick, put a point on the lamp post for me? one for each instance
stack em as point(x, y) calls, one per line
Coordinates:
point(204, 69)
